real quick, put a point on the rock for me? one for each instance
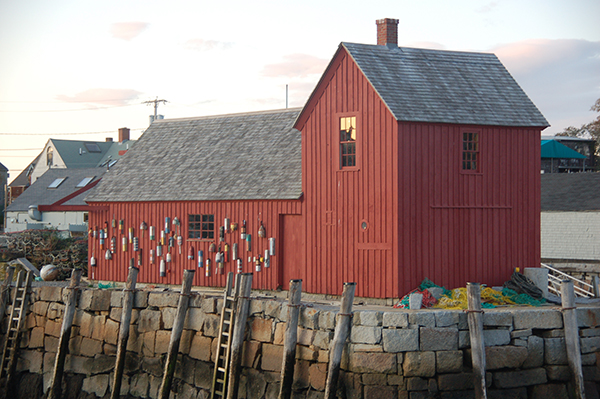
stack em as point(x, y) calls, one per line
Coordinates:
point(555, 351)
point(438, 338)
point(368, 318)
point(395, 319)
point(448, 361)
point(272, 356)
point(163, 299)
point(537, 318)
point(261, 330)
point(365, 334)
point(200, 348)
point(496, 337)
point(446, 318)
point(419, 364)
point(400, 340)
point(498, 357)
point(535, 352)
point(364, 362)
point(96, 384)
point(522, 378)
point(317, 376)
point(149, 320)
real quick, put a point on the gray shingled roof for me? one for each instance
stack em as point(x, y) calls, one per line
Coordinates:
point(39, 193)
point(226, 157)
point(571, 191)
point(422, 85)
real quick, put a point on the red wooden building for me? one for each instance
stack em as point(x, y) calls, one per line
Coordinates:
point(403, 164)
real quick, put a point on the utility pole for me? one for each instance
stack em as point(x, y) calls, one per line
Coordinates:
point(156, 101)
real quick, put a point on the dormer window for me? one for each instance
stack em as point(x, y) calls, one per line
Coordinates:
point(348, 141)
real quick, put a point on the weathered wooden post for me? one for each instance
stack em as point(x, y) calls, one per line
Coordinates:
point(569, 311)
point(184, 300)
point(128, 295)
point(475, 319)
point(239, 327)
point(342, 329)
point(65, 335)
point(596, 286)
point(4, 291)
point(291, 338)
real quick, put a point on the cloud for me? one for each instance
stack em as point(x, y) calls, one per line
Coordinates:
point(560, 76)
point(110, 97)
point(487, 8)
point(206, 45)
point(127, 30)
point(296, 66)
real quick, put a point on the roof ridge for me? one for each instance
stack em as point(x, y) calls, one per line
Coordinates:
point(263, 112)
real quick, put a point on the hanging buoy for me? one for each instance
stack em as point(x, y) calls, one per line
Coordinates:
point(167, 224)
point(152, 233)
point(171, 243)
point(243, 230)
point(249, 242)
point(200, 258)
point(140, 258)
point(106, 227)
point(218, 258)
point(124, 240)
point(226, 223)
point(162, 237)
point(159, 251)
point(272, 246)
point(143, 226)
point(136, 244)
point(152, 256)
point(176, 223)
point(212, 247)
point(234, 226)
point(267, 258)
point(257, 263)
point(94, 232)
point(121, 225)
point(93, 261)
point(207, 268)
point(113, 244)
point(191, 253)
point(234, 251)
point(108, 255)
point(221, 233)
point(114, 222)
point(102, 239)
point(163, 268)
point(130, 235)
point(226, 252)
point(168, 257)
point(261, 231)
point(239, 266)
point(180, 243)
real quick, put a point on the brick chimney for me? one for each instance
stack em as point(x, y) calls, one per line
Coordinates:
point(109, 139)
point(387, 32)
point(123, 134)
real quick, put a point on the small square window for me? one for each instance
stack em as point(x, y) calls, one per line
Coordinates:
point(201, 226)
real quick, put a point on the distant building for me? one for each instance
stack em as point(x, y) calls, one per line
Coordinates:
point(3, 182)
point(71, 154)
point(580, 159)
point(54, 201)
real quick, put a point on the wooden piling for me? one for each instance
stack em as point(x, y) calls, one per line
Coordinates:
point(184, 300)
point(5, 290)
point(128, 295)
point(291, 338)
point(239, 327)
point(569, 312)
point(342, 329)
point(65, 335)
point(596, 286)
point(475, 319)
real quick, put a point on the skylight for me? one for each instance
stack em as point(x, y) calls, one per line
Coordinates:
point(92, 147)
point(85, 182)
point(57, 182)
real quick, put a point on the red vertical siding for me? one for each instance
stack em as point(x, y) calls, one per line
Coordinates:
point(154, 213)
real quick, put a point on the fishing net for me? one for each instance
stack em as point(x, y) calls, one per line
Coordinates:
point(490, 298)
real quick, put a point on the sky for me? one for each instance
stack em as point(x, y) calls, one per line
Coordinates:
point(80, 70)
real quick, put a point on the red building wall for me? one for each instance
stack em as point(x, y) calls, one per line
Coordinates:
point(154, 213)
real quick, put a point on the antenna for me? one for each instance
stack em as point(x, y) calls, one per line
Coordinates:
point(156, 101)
point(286, 96)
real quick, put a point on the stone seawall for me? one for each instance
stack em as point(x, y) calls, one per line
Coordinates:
point(390, 353)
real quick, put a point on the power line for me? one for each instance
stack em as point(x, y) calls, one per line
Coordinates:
point(63, 134)
point(78, 109)
point(20, 149)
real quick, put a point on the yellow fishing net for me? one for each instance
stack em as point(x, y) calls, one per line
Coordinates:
point(490, 298)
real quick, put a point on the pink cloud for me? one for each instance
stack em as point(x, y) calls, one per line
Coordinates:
point(127, 30)
point(112, 97)
point(206, 45)
point(296, 66)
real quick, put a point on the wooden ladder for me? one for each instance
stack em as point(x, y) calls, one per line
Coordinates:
point(17, 315)
point(219, 383)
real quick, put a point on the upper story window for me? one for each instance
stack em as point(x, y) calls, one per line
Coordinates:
point(348, 141)
point(49, 156)
point(470, 152)
point(201, 226)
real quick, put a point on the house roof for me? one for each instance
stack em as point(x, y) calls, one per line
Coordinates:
point(421, 85)
point(82, 154)
point(554, 149)
point(3, 168)
point(226, 157)
point(571, 191)
point(39, 193)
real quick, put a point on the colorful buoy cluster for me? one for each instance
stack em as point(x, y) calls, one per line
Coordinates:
point(162, 246)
